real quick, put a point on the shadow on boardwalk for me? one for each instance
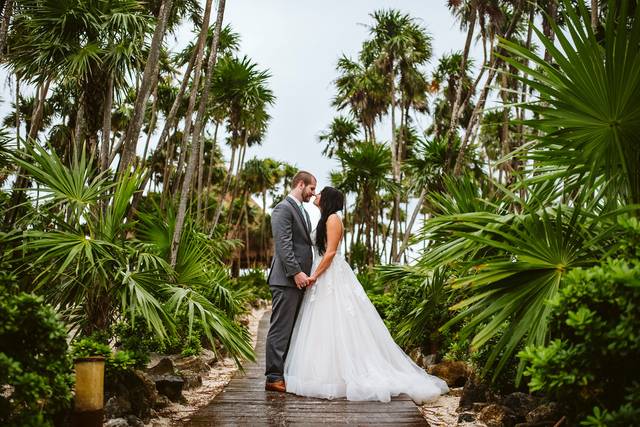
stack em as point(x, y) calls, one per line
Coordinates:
point(244, 402)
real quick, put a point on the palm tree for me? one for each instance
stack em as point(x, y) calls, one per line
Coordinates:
point(584, 174)
point(94, 45)
point(89, 266)
point(243, 89)
point(364, 91)
point(445, 85)
point(398, 47)
point(197, 134)
point(505, 28)
point(149, 77)
point(596, 138)
point(367, 168)
point(340, 136)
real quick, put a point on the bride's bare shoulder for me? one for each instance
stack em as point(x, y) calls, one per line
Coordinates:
point(334, 220)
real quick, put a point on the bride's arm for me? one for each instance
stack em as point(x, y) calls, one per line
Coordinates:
point(334, 234)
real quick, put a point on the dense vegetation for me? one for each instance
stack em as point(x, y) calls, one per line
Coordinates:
point(505, 234)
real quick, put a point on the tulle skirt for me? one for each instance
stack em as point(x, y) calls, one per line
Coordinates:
point(340, 347)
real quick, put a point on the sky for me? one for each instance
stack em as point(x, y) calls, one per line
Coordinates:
point(299, 42)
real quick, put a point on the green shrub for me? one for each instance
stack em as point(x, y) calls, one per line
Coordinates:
point(192, 345)
point(90, 346)
point(592, 365)
point(383, 303)
point(419, 310)
point(35, 369)
point(138, 339)
point(255, 283)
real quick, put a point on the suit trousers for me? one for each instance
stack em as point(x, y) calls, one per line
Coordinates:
point(286, 302)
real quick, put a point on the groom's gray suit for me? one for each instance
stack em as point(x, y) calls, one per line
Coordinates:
point(290, 226)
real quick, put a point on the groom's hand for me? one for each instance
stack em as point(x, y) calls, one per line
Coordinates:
point(301, 279)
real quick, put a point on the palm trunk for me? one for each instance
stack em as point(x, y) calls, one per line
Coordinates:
point(106, 127)
point(235, 231)
point(184, 146)
point(479, 108)
point(152, 122)
point(223, 193)
point(22, 181)
point(236, 184)
point(194, 92)
point(188, 121)
point(167, 172)
point(263, 225)
point(594, 15)
point(17, 111)
point(200, 183)
point(78, 133)
point(455, 110)
point(246, 238)
point(210, 171)
point(197, 133)
point(395, 166)
point(414, 216)
point(171, 117)
point(148, 78)
point(547, 30)
point(4, 28)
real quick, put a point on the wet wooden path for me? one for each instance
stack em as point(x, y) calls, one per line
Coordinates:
point(244, 402)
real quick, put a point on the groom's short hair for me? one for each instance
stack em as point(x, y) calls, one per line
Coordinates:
point(303, 176)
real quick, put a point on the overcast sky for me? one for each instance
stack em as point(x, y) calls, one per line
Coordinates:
point(300, 43)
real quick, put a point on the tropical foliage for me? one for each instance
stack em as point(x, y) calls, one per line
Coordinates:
point(490, 202)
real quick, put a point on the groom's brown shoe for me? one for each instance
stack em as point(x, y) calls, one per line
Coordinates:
point(275, 386)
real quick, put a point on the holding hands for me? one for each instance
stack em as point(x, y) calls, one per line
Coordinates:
point(302, 280)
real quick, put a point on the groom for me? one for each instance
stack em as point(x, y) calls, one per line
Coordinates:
point(289, 275)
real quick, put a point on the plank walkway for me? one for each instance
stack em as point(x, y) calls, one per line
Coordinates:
point(245, 402)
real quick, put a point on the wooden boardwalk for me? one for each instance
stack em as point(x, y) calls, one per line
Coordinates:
point(245, 402)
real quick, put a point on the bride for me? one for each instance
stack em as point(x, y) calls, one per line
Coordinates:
point(340, 346)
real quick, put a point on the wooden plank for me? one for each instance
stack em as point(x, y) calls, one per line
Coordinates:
point(245, 402)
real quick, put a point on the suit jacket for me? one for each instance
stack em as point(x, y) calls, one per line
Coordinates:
point(293, 248)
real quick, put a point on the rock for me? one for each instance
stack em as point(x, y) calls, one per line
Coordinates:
point(474, 391)
point(429, 359)
point(116, 422)
point(520, 403)
point(163, 422)
point(467, 417)
point(136, 388)
point(547, 412)
point(162, 402)
point(209, 357)
point(478, 406)
point(456, 391)
point(191, 363)
point(496, 415)
point(117, 407)
point(134, 421)
point(455, 373)
point(421, 360)
point(170, 386)
point(191, 379)
point(164, 367)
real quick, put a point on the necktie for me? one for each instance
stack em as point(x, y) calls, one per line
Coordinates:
point(306, 217)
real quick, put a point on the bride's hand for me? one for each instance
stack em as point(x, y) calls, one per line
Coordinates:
point(312, 280)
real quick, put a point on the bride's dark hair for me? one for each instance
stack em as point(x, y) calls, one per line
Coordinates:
point(331, 201)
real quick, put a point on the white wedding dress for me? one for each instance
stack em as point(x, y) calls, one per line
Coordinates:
point(340, 346)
